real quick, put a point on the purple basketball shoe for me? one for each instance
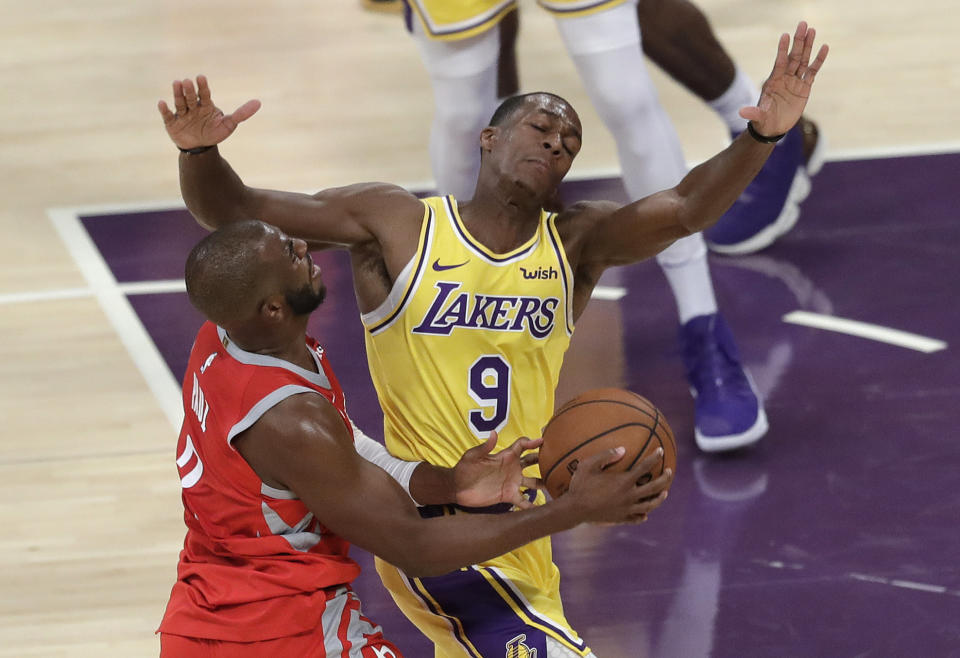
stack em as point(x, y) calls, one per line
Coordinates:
point(728, 411)
point(769, 207)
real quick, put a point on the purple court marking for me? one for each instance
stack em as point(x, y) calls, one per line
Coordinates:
point(834, 536)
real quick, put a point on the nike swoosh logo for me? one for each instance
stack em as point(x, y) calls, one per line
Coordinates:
point(437, 267)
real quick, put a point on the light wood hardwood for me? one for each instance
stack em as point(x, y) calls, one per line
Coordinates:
point(90, 501)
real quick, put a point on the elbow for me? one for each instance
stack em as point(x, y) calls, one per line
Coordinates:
point(684, 216)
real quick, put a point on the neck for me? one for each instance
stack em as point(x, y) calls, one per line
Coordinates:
point(501, 221)
point(289, 344)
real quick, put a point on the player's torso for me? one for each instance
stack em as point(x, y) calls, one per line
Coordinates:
point(229, 511)
point(469, 341)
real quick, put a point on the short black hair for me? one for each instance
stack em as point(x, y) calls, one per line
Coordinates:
point(222, 271)
point(513, 103)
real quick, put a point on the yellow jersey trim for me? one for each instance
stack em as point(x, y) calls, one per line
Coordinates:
point(433, 606)
point(566, 270)
point(492, 257)
point(440, 20)
point(407, 282)
point(566, 8)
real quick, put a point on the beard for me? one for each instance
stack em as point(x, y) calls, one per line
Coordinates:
point(305, 300)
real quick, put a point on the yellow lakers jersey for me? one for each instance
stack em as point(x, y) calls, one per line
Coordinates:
point(469, 341)
point(458, 19)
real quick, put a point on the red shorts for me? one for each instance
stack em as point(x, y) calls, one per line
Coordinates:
point(307, 645)
point(343, 632)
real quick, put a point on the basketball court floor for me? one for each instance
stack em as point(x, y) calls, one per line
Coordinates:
point(837, 535)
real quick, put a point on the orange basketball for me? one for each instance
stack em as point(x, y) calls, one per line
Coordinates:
point(598, 420)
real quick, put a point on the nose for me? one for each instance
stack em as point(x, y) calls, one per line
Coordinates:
point(552, 143)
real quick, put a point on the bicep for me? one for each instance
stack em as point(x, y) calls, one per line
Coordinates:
point(633, 232)
point(341, 216)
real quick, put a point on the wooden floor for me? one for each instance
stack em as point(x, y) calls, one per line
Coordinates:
point(90, 500)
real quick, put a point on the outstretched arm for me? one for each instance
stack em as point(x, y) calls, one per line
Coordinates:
point(648, 226)
point(303, 445)
point(216, 195)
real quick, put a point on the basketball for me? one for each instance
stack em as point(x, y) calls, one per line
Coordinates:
point(599, 420)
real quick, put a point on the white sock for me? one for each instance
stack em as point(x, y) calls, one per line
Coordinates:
point(741, 92)
point(605, 47)
point(463, 75)
point(685, 265)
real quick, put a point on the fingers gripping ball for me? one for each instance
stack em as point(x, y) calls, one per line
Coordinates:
point(599, 420)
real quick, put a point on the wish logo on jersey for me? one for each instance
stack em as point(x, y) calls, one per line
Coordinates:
point(540, 273)
point(493, 312)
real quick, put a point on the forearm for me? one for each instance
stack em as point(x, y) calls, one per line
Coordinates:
point(432, 485)
point(710, 188)
point(445, 544)
point(424, 483)
point(213, 192)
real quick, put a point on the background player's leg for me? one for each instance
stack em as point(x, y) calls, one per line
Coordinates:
point(463, 75)
point(508, 74)
point(678, 38)
point(605, 48)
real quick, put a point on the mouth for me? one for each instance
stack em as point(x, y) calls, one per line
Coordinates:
point(539, 164)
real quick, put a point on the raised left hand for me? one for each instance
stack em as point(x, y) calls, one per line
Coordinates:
point(785, 92)
point(483, 478)
point(197, 121)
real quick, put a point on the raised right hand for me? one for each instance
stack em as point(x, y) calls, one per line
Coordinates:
point(604, 496)
point(198, 122)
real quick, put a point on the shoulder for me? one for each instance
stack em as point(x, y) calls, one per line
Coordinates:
point(576, 222)
point(300, 419)
point(295, 440)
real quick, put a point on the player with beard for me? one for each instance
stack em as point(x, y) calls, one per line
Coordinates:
point(468, 307)
point(276, 479)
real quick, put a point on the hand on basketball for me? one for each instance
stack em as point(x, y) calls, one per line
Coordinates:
point(198, 122)
point(483, 477)
point(785, 93)
point(607, 496)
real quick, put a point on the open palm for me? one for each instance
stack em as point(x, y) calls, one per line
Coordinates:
point(785, 92)
point(197, 121)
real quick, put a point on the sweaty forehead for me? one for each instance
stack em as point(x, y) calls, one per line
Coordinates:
point(554, 107)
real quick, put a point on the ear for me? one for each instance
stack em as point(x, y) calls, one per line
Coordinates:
point(488, 136)
point(274, 309)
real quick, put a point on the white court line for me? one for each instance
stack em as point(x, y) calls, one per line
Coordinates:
point(608, 293)
point(44, 295)
point(865, 330)
point(153, 287)
point(904, 584)
point(120, 313)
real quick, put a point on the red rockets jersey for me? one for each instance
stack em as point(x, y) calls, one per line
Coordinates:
point(256, 563)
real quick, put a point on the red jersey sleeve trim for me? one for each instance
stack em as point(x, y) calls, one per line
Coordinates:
point(265, 405)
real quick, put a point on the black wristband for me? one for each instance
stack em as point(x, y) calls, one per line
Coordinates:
point(198, 150)
point(763, 139)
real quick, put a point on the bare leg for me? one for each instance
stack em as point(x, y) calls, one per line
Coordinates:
point(508, 76)
point(678, 38)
